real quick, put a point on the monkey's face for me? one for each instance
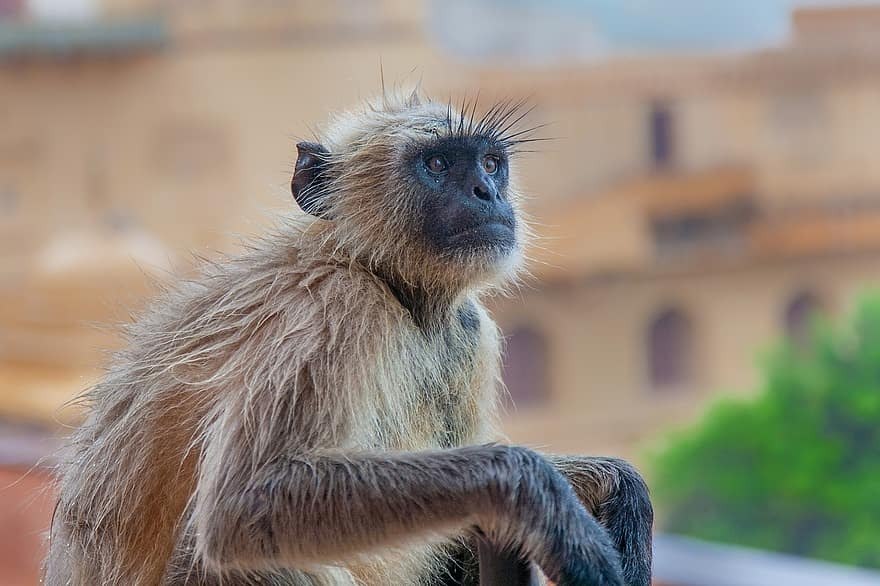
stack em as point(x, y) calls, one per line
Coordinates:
point(414, 190)
point(461, 186)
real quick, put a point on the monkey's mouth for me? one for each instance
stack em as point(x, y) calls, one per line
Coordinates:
point(496, 234)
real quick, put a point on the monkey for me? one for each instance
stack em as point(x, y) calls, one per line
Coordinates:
point(322, 407)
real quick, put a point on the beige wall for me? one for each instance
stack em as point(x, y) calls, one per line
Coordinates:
point(806, 126)
point(189, 145)
point(600, 395)
point(803, 143)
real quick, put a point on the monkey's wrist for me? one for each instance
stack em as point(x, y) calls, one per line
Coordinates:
point(516, 482)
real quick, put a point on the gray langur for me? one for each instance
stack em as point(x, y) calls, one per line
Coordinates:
point(321, 409)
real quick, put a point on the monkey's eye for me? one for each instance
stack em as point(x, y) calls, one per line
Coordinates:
point(490, 164)
point(436, 164)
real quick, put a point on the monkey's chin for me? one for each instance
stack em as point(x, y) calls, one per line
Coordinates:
point(491, 265)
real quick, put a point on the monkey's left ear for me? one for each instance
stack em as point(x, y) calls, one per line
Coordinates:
point(309, 177)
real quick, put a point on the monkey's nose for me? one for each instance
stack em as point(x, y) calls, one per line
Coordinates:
point(484, 190)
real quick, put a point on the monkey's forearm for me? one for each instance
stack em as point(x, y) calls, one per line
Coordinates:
point(614, 492)
point(321, 509)
point(317, 508)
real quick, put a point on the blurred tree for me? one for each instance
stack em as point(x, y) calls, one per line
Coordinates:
point(798, 468)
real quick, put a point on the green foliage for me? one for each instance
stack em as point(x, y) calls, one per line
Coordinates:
point(798, 468)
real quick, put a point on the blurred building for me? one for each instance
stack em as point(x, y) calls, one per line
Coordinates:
point(692, 209)
point(695, 210)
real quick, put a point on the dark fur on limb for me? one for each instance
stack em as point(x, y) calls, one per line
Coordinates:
point(508, 568)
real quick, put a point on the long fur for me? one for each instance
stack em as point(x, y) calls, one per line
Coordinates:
point(297, 349)
point(257, 336)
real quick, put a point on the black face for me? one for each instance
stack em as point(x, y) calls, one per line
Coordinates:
point(465, 205)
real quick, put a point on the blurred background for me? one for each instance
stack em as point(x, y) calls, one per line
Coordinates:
point(709, 215)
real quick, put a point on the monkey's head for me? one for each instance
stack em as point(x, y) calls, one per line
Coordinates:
point(419, 192)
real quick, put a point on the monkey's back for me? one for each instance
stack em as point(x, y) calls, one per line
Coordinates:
point(315, 349)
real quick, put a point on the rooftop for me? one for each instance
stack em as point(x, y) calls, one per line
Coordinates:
point(19, 39)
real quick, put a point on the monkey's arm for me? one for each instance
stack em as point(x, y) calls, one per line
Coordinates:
point(317, 509)
point(614, 492)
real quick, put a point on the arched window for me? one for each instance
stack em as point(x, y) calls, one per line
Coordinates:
point(799, 312)
point(661, 126)
point(670, 349)
point(525, 366)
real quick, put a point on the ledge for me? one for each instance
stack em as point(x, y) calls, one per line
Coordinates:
point(110, 37)
point(683, 561)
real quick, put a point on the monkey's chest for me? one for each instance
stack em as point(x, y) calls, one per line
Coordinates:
point(448, 390)
point(446, 398)
point(447, 401)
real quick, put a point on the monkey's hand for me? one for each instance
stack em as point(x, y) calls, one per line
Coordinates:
point(614, 492)
point(538, 511)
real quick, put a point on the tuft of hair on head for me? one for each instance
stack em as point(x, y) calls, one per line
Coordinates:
point(502, 122)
